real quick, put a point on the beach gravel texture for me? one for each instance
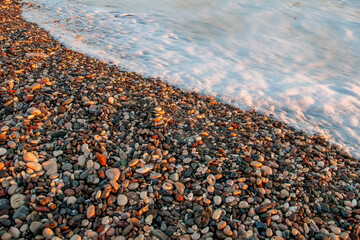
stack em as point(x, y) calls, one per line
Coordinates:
point(88, 151)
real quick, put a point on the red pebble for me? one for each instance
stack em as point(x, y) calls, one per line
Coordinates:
point(179, 197)
point(102, 159)
point(3, 193)
point(42, 209)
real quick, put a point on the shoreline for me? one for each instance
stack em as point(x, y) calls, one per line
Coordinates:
point(87, 149)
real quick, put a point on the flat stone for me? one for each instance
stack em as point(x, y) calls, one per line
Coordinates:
point(50, 166)
point(113, 173)
point(48, 233)
point(211, 180)
point(180, 187)
point(15, 233)
point(17, 200)
point(256, 164)
point(34, 111)
point(34, 166)
point(90, 212)
point(160, 234)
point(30, 157)
point(217, 200)
point(267, 170)
point(3, 151)
point(187, 160)
point(145, 169)
point(243, 204)
point(122, 200)
point(336, 230)
point(35, 227)
point(216, 214)
point(21, 213)
point(57, 153)
point(133, 186)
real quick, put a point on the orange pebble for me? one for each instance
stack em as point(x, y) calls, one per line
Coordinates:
point(102, 159)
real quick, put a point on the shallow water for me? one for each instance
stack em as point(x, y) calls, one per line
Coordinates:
point(297, 60)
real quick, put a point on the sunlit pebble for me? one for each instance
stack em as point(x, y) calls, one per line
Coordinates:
point(34, 111)
point(167, 186)
point(4, 128)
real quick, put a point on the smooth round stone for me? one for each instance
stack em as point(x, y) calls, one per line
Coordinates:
point(216, 214)
point(90, 212)
point(267, 170)
point(336, 230)
point(71, 200)
point(113, 173)
point(67, 167)
point(75, 237)
point(133, 186)
point(256, 164)
point(48, 233)
point(11, 144)
point(195, 236)
point(34, 111)
point(167, 186)
point(243, 204)
point(187, 160)
point(122, 200)
point(12, 189)
point(15, 233)
point(211, 180)
point(277, 131)
point(30, 157)
point(230, 199)
point(6, 236)
point(81, 160)
point(111, 100)
point(35, 227)
point(269, 232)
point(221, 225)
point(321, 164)
point(217, 200)
point(284, 192)
point(344, 235)
point(17, 200)
point(3, 151)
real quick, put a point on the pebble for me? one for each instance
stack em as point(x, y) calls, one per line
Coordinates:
point(35, 227)
point(90, 212)
point(216, 214)
point(30, 157)
point(34, 166)
point(211, 180)
point(243, 204)
point(217, 200)
point(48, 233)
point(113, 174)
point(180, 187)
point(17, 200)
point(256, 164)
point(15, 232)
point(336, 230)
point(122, 200)
point(3, 151)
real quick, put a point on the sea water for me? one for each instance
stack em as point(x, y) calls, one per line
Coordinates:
point(296, 60)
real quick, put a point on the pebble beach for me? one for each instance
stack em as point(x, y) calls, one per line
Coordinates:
point(90, 151)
